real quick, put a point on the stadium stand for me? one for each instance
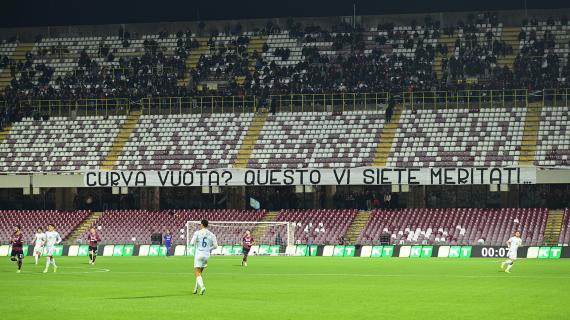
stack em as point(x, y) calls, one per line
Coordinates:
point(565, 232)
point(460, 137)
point(30, 220)
point(322, 226)
point(185, 141)
point(553, 148)
point(312, 139)
point(122, 226)
point(454, 226)
point(58, 144)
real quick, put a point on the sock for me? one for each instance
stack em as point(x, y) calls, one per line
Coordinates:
point(48, 262)
point(94, 257)
point(510, 266)
point(37, 258)
point(19, 264)
point(196, 286)
point(53, 262)
point(90, 256)
point(200, 282)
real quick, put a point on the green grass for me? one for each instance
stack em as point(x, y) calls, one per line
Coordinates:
point(286, 288)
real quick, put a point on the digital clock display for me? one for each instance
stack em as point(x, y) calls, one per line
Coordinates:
point(490, 252)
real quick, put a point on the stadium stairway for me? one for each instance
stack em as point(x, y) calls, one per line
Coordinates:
point(255, 44)
point(192, 60)
point(356, 226)
point(4, 133)
point(19, 54)
point(530, 134)
point(449, 41)
point(121, 139)
point(511, 37)
point(553, 227)
point(83, 226)
point(261, 229)
point(250, 139)
point(387, 138)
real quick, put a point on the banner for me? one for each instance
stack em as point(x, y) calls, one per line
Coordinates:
point(295, 177)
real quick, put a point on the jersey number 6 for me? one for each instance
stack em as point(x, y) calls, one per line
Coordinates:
point(204, 243)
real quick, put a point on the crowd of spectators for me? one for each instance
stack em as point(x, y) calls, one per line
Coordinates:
point(357, 66)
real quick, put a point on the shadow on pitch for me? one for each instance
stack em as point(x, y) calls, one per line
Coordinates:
point(152, 297)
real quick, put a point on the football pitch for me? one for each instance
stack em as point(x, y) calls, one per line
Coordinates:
point(286, 288)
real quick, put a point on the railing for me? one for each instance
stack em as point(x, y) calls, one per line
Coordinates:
point(556, 97)
point(465, 99)
point(205, 104)
point(328, 102)
point(335, 102)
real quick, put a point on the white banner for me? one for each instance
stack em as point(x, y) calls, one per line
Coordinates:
point(293, 177)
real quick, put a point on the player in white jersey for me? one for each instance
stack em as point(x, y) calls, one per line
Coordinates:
point(52, 238)
point(513, 243)
point(204, 241)
point(39, 241)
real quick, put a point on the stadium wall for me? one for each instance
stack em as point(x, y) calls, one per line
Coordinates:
point(386, 251)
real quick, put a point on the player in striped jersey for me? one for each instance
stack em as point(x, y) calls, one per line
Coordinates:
point(17, 243)
point(247, 242)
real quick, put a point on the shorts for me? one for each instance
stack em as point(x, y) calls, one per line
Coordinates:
point(93, 249)
point(49, 251)
point(246, 251)
point(18, 253)
point(38, 249)
point(200, 261)
point(512, 254)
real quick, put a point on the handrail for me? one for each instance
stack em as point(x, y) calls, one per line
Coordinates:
point(318, 102)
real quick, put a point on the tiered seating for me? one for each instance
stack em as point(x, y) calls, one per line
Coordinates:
point(291, 140)
point(459, 137)
point(556, 37)
point(6, 50)
point(59, 144)
point(565, 232)
point(62, 53)
point(137, 226)
point(553, 147)
point(185, 141)
point(325, 226)
point(455, 226)
point(64, 221)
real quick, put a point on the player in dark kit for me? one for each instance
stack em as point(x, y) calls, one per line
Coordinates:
point(93, 238)
point(17, 247)
point(247, 242)
point(168, 242)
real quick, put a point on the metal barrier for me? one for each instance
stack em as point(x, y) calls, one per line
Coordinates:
point(555, 97)
point(206, 104)
point(330, 102)
point(465, 99)
point(81, 107)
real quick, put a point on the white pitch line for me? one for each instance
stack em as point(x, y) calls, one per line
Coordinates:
point(502, 276)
